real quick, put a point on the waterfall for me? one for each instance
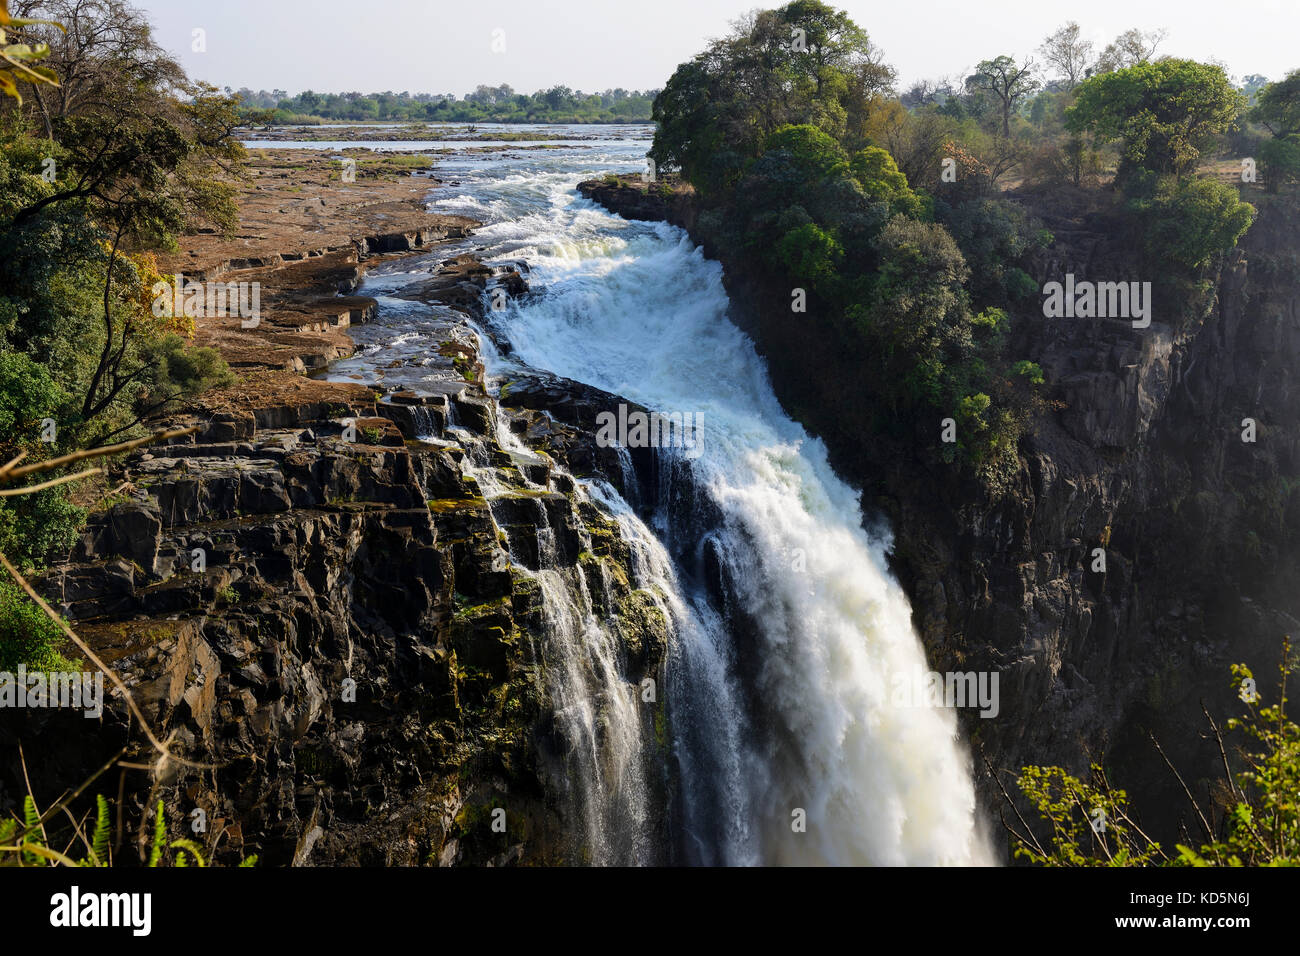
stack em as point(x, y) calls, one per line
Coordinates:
point(788, 633)
point(426, 423)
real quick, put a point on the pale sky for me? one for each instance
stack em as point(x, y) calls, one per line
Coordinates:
point(440, 46)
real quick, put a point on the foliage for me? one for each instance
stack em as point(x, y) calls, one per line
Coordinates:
point(1259, 826)
point(881, 181)
point(180, 371)
point(1069, 53)
point(717, 109)
point(796, 156)
point(18, 60)
point(1005, 80)
point(27, 635)
point(1130, 48)
point(487, 104)
point(1090, 821)
point(1165, 113)
point(23, 842)
point(1031, 372)
point(809, 252)
point(28, 396)
point(1279, 160)
point(129, 155)
point(1277, 106)
point(1188, 222)
point(997, 239)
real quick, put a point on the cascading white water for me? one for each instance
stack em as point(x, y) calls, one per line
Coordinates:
point(604, 729)
point(788, 633)
point(796, 715)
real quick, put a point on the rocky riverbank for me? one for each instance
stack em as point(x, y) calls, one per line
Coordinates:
point(329, 592)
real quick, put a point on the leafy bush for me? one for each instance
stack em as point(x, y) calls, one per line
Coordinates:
point(996, 237)
point(810, 254)
point(879, 176)
point(1279, 160)
point(27, 635)
point(1190, 221)
point(31, 849)
point(35, 525)
point(181, 370)
point(27, 396)
point(1091, 824)
point(1031, 372)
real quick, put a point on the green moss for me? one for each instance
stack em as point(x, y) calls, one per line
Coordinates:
point(446, 505)
point(661, 729)
point(469, 612)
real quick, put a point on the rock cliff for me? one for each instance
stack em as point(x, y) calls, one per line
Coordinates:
point(327, 599)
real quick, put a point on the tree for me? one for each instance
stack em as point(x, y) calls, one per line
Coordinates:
point(1007, 81)
point(1129, 49)
point(1069, 53)
point(1279, 158)
point(881, 180)
point(1277, 107)
point(1190, 221)
point(107, 58)
point(140, 155)
point(804, 63)
point(1165, 112)
point(1252, 84)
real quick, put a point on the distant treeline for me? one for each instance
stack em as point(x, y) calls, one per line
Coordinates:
point(498, 104)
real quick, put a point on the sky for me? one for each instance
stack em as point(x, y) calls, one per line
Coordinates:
point(437, 46)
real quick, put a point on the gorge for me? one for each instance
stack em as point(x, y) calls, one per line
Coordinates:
point(434, 600)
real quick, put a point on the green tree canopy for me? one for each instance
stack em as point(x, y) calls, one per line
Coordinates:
point(1165, 113)
point(1278, 106)
point(803, 64)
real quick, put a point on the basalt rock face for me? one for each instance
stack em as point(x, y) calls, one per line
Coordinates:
point(346, 623)
point(1141, 455)
point(665, 199)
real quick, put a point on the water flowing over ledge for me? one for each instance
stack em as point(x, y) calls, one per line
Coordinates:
point(787, 632)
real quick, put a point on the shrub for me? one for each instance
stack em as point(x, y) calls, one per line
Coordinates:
point(27, 395)
point(1279, 160)
point(810, 253)
point(1188, 222)
point(1260, 824)
point(27, 635)
point(180, 370)
point(879, 176)
point(995, 237)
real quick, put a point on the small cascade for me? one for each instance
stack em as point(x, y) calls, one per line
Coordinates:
point(603, 766)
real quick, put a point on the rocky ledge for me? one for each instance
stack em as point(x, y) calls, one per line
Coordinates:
point(330, 594)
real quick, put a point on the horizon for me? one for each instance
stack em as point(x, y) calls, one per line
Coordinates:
point(572, 49)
